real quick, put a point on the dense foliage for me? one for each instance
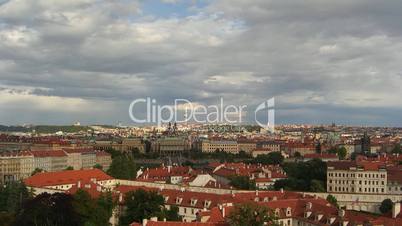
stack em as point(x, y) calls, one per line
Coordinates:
point(251, 214)
point(65, 210)
point(273, 158)
point(331, 199)
point(141, 204)
point(304, 176)
point(18, 207)
point(397, 149)
point(48, 210)
point(340, 151)
point(12, 197)
point(242, 182)
point(123, 166)
point(96, 212)
point(386, 206)
point(222, 156)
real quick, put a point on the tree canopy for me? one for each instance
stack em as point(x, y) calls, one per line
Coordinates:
point(397, 149)
point(331, 199)
point(304, 176)
point(251, 214)
point(123, 167)
point(141, 204)
point(242, 182)
point(386, 206)
point(48, 210)
point(273, 158)
point(93, 211)
point(12, 196)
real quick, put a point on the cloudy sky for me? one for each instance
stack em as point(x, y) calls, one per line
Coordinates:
point(86, 60)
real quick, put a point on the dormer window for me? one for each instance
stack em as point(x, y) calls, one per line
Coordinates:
point(207, 203)
point(288, 212)
point(193, 202)
point(318, 217)
point(277, 212)
point(307, 214)
point(166, 198)
point(179, 200)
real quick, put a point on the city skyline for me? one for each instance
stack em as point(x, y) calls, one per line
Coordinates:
point(87, 60)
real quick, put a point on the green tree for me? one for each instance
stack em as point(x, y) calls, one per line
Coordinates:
point(36, 170)
point(69, 168)
point(318, 148)
point(141, 204)
point(106, 202)
point(271, 158)
point(98, 166)
point(83, 205)
point(242, 182)
point(397, 149)
point(251, 214)
point(95, 212)
point(331, 199)
point(304, 176)
point(171, 215)
point(123, 167)
point(12, 196)
point(342, 152)
point(317, 186)
point(353, 156)
point(48, 210)
point(386, 206)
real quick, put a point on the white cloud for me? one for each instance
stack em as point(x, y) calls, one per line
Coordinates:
point(18, 37)
point(338, 54)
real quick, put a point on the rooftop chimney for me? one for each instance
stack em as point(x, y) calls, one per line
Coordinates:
point(121, 197)
point(223, 212)
point(154, 219)
point(396, 209)
point(341, 213)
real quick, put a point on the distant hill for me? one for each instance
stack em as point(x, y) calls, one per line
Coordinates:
point(44, 129)
point(14, 129)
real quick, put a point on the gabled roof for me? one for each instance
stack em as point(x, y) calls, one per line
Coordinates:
point(65, 177)
point(44, 154)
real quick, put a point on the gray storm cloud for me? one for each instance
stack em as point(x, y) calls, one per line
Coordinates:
point(86, 60)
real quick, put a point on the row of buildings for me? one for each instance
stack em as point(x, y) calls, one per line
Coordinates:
point(211, 207)
point(380, 175)
point(18, 165)
point(215, 175)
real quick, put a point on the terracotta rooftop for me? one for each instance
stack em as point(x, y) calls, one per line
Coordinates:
point(65, 177)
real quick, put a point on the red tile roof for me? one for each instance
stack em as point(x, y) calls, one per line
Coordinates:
point(93, 189)
point(167, 223)
point(77, 150)
point(102, 153)
point(15, 153)
point(321, 156)
point(163, 173)
point(44, 154)
point(65, 177)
